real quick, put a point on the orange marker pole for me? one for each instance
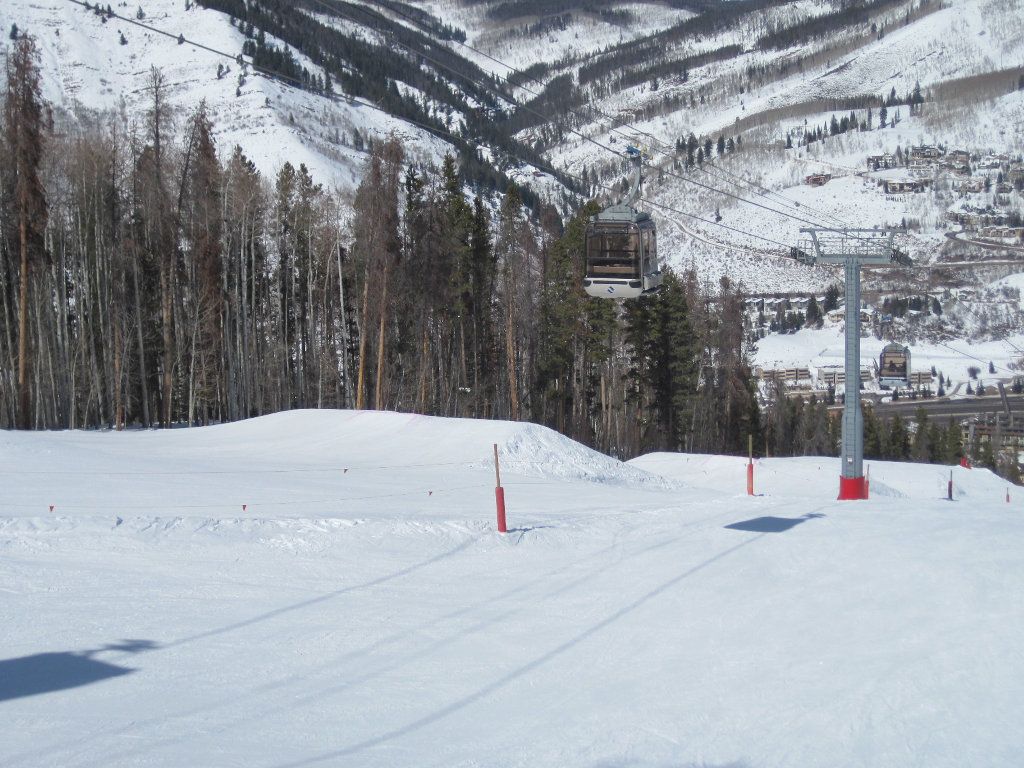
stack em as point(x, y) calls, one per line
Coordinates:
point(750, 465)
point(499, 494)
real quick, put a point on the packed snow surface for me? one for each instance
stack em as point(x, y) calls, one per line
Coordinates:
point(329, 588)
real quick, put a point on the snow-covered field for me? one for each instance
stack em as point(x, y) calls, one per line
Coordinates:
point(328, 588)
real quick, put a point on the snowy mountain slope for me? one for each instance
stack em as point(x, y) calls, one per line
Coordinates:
point(947, 44)
point(357, 618)
point(86, 70)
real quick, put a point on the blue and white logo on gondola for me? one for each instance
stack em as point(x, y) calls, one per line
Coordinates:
point(610, 289)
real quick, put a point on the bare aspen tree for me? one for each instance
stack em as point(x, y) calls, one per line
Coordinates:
point(376, 246)
point(520, 277)
point(244, 208)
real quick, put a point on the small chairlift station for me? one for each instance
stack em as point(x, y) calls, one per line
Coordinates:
point(622, 247)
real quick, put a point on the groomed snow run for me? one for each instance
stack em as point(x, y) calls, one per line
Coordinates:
point(328, 588)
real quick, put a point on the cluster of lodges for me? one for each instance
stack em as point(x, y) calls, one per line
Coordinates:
point(925, 162)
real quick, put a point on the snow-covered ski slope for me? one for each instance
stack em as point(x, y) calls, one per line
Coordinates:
point(362, 610)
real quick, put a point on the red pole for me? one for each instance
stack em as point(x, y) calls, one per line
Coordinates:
point(499, 494)
point(750, 465)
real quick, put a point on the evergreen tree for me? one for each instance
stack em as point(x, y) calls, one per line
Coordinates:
point(923, 447)
point(516, 306)
point(874, 435)
point(201, 220)
point(482, 276)
point(24, 132)
point(663, 350)
point(897, 440)
point(831, 301)
point(562, 384)
point(813, 313)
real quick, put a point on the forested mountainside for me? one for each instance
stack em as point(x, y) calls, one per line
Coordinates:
point(437, 81)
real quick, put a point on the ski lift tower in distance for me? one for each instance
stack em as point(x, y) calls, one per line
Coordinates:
point(621, 245)
point(853, 248)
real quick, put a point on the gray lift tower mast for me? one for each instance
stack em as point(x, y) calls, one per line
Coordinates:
point(852, 248)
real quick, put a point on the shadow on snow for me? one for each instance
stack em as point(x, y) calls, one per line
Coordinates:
point(49, 672)
point(772, 524)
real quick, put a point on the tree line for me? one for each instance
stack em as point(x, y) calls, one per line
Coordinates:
point(145, 280)
point(148, 280)
point(799, 426)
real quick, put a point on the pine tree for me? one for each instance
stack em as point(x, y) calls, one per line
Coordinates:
point(25, 125)
point(202, 221)
point(923, 448)
point(517, 310)
point(813, 313)
point(897, 440)
point(676, 374)
point(831, 298)
point(483, 273)
point(561, 372)
point(874, 435)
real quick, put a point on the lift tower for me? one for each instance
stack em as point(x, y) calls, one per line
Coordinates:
point(852, 248)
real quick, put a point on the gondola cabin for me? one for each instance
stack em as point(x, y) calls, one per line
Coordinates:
point(621, 254)
point(894, 366)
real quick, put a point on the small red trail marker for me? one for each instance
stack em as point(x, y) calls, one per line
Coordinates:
point(499, 494)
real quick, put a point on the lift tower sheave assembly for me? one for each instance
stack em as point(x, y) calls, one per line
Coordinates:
point(852, 248)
